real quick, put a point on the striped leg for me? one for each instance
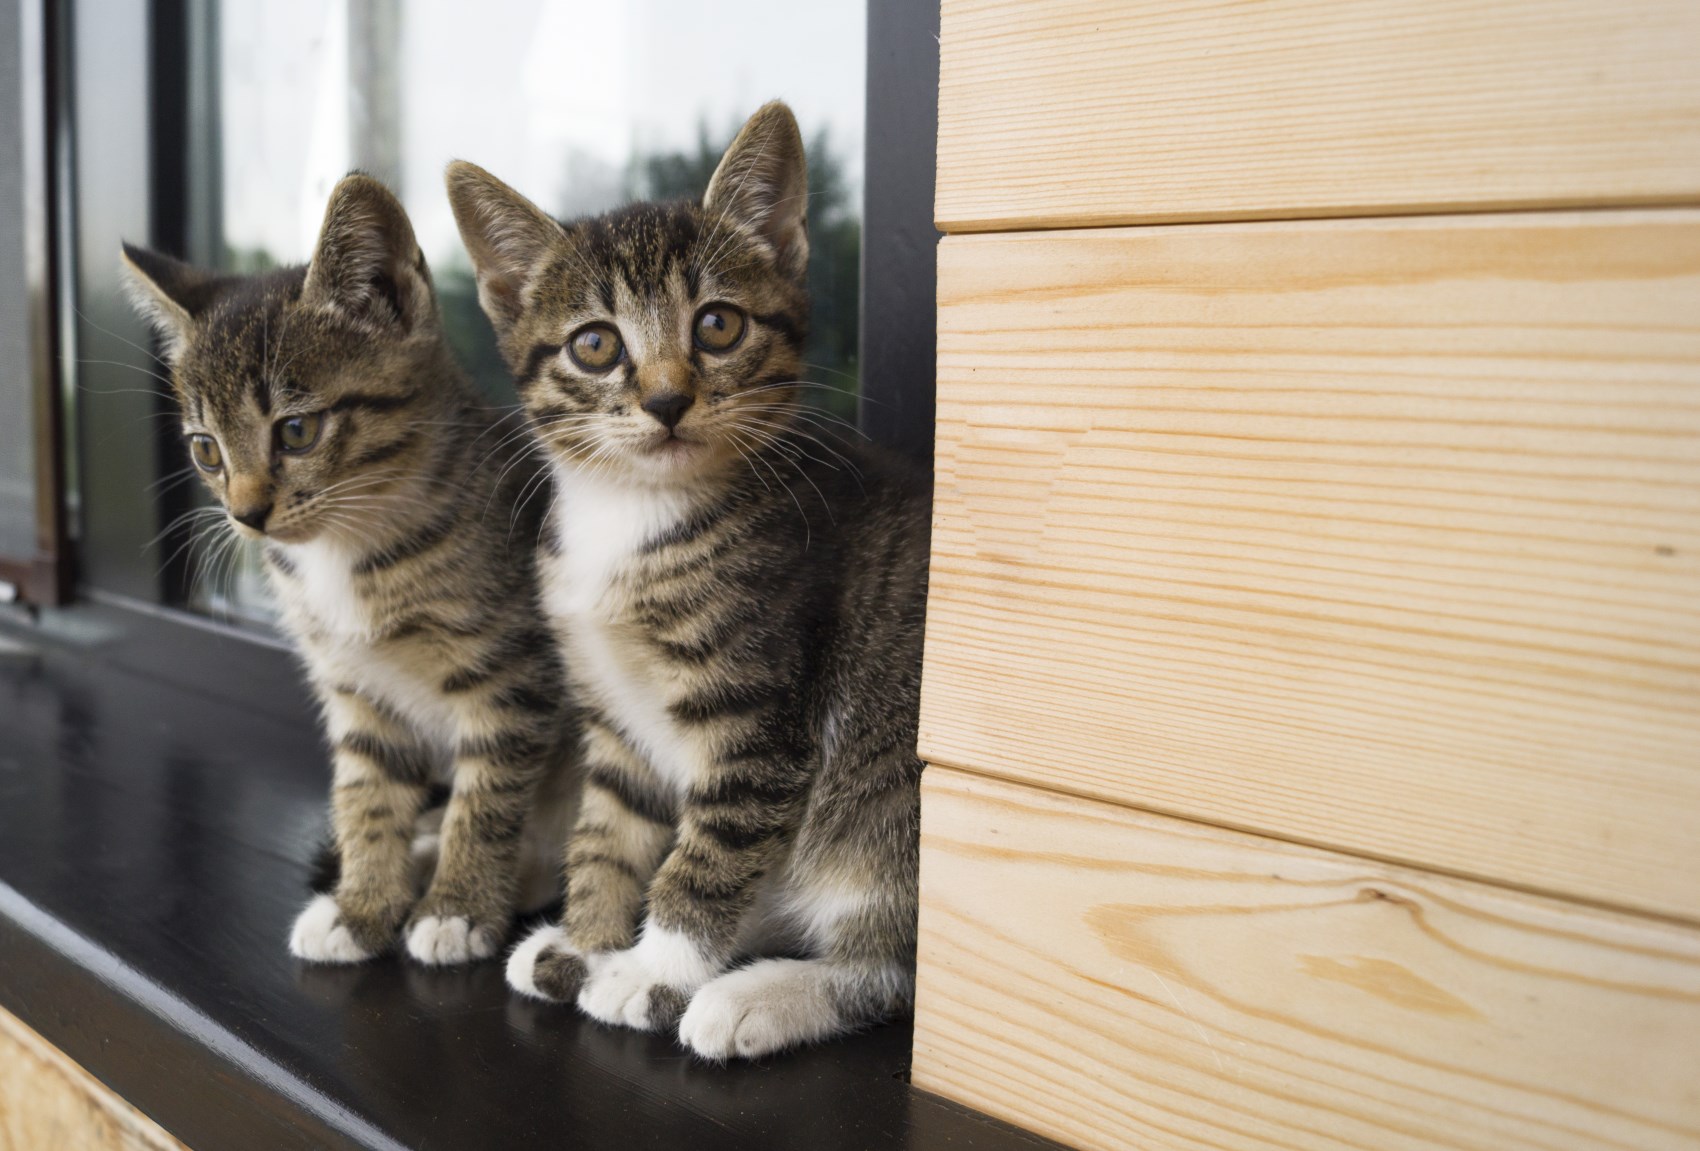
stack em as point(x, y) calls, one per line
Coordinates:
point(623, 830)
point(732, 830)
point(850, 896)
point(378, 787)
point(497, 766)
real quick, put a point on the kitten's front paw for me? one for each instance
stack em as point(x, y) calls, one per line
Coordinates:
point(545, 966)
point(445, 940)
point(321, 935)
point(648, 986)
point(624, 993)
point(761, 1009)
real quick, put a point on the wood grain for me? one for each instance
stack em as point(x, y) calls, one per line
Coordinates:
point(1120, 980)
point(1376, 534)
point(48, 1103)
point(1094, 112)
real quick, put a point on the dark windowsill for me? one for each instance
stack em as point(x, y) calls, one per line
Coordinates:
point(161, 788)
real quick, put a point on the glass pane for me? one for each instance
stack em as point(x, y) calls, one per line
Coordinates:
point(579, 105)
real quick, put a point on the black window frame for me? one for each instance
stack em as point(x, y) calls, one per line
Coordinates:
point(126, 150)
point(44, 575)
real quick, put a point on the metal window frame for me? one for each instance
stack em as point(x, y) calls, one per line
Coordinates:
point(43, 578)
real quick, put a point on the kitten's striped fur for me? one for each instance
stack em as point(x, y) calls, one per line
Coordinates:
point(740, 602)
point(390, 544)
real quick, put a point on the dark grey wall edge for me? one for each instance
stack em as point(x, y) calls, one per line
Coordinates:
point(899, 243)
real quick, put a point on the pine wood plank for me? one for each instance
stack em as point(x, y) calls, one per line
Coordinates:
point(1376, 534)
point(48, 1102)
point(1120, 980)
point(1095, 112)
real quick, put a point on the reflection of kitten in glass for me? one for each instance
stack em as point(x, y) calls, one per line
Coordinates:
point(326, 413)
point(740, 602)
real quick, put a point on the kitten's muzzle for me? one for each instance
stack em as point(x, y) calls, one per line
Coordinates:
point(254, 517)
point(669, 407)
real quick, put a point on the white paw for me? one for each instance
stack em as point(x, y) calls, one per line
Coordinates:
point(618, 991)
point(763, 1008)
point(320, 937)
point(449, 939)
point(647, 986)
point(522, 964)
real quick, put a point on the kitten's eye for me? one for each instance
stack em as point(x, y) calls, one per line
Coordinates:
point(719, 328)
point(298, 433)
point(204, 451)
point(595, 348)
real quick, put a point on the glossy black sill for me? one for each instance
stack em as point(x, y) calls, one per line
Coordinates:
point(161, 788)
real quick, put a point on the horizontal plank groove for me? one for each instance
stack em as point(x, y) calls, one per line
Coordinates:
point(1115, 979)
point(1439, 211)
point(1381, 535)
point(1062, 791)
point(1086, 113)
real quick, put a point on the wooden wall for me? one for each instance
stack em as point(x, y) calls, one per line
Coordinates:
point(1313, 661)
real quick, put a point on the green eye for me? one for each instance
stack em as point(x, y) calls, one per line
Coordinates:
point(719, 328)
point(204, 451)
point(595, 348)
point(298, 433)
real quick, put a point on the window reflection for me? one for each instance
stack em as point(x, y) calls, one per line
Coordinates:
point(580, 105)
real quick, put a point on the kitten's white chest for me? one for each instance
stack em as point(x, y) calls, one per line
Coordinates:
point(339, 631)
point(602, 527)
point(325, 594)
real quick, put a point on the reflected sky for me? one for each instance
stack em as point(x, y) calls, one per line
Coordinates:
point(554, 96)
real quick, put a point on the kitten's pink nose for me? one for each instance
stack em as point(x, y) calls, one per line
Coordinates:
point(669, 407)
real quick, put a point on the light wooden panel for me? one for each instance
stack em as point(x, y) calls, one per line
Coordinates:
point(1077, 112)
point(48, 1103)
point(1119, 980)
point(1377, 534)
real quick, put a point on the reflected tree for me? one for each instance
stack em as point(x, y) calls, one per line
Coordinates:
point(468, 329)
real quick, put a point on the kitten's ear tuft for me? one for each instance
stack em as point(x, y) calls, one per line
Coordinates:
point(167, 293)
point(367, 263)
point(508, 237)
point(763, 180)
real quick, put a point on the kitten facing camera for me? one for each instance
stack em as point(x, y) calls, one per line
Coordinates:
point(327, 415)
point(739, 598)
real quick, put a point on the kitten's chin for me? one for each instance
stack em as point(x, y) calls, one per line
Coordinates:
point(295, 533)
point(671, 458)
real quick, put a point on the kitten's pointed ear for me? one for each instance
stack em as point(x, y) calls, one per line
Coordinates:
point(508, 237)
point(763, 180)
point(167, 293)
point(367, 263)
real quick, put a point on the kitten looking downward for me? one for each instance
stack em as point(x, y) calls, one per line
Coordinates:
point(325, 411)
point(740, 602)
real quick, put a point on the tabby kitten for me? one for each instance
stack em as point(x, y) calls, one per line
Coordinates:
point(327, 414)
point(740, 604)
